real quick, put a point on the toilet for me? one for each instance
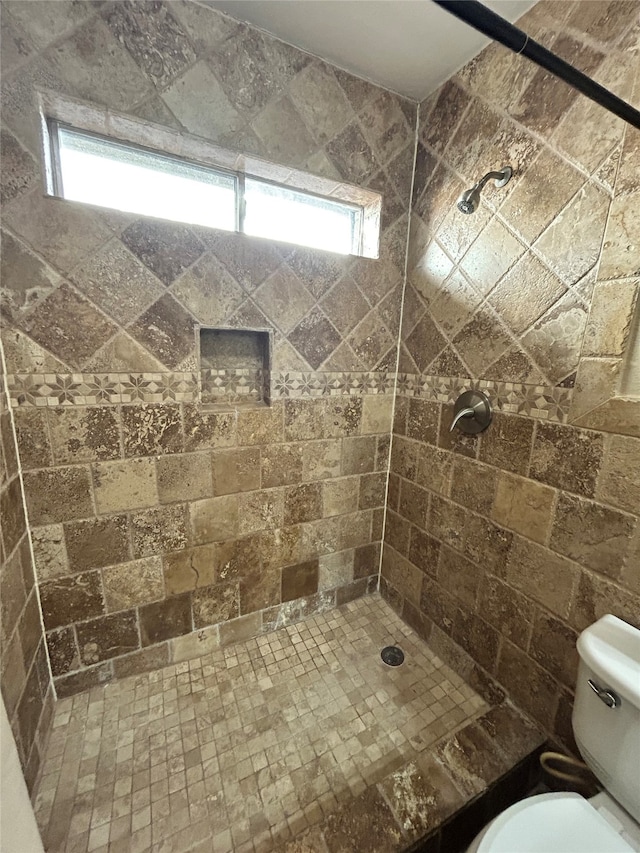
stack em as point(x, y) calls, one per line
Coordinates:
point(606, 726)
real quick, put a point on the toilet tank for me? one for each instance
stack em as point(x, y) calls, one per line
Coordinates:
point(609, 737)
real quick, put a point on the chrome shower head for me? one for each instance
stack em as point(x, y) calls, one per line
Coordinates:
point(470, 199)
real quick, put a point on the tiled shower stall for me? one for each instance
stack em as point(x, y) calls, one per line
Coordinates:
point(196, 584)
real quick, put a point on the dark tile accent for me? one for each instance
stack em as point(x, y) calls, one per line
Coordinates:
point(507, 443)
point(592, 534)
point(30, 630)
point(238, 557)
point(61, 494)
point(414, 503)
point(68, 326)
point(422, 420)
point(450, 107)
point(165, 619)
point(84, 434)
point(363, 823)
point(372, 490)
point(351, 154)
point(351, 591)
point(167, 331)
point(424, 551)
point(553, 646)
point(510, 612)
point(153, 658)
point(530, 686)
point(83, 680)
point(33, 437)
point(302, 503)
point(63, 652)
point(281, 464)
point(396, 533)
point(13, 521)
point(19, 170)
point(12, 594)
point(152, 429)
point(300, 580)
point(166, 248)
point(71, 599)
point(315, 338)
point(458, 576)
point(29, 710)
point(303, 420)
point(366, 560)
point(567, 458)
point(214, 604)
point(97, 542)
point(107, 637)
point(153, 37)
point(425, 342)
point(260, 591)
point(159, 530)
point(342, 416)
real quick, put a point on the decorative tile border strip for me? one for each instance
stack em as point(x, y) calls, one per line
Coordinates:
point(536, 401)
point(208, 386)
point(241, 385)
point(323, 384)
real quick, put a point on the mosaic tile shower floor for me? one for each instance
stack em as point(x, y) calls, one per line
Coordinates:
point(246, 747)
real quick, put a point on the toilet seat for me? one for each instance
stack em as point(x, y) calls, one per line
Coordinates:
point(552, 823)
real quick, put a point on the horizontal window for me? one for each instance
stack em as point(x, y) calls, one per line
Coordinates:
point(94, 169)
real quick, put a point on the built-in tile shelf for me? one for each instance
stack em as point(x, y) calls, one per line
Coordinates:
point(234, 366)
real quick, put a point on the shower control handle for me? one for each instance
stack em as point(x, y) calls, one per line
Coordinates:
point(463, 413)
point(471, 412)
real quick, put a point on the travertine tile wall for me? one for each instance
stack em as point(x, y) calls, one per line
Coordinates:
point(25, 678)
point(512, 542)
point(153, 519)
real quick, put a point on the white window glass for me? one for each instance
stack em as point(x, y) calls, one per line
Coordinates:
point(280, 213)
point(109, 174)
point(97, 170)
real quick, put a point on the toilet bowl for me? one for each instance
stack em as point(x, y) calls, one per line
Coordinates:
point(560, 823)
point(606, 725)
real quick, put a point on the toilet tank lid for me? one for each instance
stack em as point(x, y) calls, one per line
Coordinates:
point(611, 648)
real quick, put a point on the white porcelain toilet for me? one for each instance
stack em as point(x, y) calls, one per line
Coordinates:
point(606, 726)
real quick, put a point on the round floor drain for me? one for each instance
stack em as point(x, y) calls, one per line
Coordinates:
point(392, 655)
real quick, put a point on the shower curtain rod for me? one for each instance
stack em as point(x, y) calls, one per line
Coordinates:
point(477, 15)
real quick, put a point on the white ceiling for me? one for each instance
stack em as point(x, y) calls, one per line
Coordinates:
point(408, 46)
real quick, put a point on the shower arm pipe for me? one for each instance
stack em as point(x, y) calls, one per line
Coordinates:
point(477, 15)
point(481, 183)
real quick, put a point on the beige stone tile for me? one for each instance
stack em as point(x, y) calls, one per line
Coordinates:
point(184, 477)
point(542, 575)
point(619, 480)
point(236, 470)
point(593, 535)
point(214, 519)
point(524, 506)
point(340, 496)
point(189, 568)
point(49, 551)
point(321, 459)
point(610, 318)
point(126, 485)
point(133, 583)
point(377, 413)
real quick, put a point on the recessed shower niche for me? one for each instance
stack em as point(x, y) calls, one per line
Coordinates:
point(234, 366)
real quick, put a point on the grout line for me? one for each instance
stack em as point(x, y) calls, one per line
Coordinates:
point(399, 341)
